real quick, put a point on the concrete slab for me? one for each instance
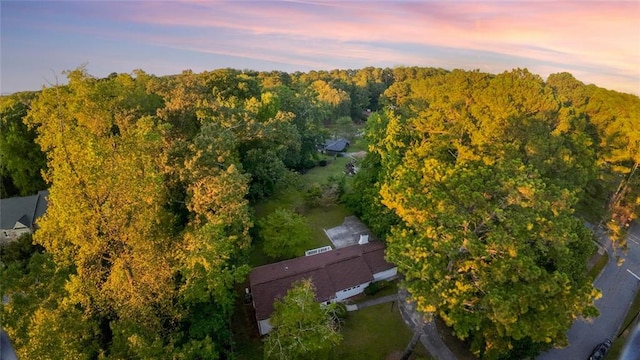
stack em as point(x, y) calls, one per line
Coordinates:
point(348, 233)
point(351, 307)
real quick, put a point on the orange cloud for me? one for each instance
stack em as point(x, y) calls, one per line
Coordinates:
point(543, 35)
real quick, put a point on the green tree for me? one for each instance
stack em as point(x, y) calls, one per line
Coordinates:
point(35, 315)
point(302, 328)
point(283, 233)
point(344, 127)
point(21, 160)
point(20, 250)
point(485, 175)
point(611, 120)
point(365, 200)
point(307, 117)
point(491, 250)
point(337, 102)
point(106, 218)
point(210, 256)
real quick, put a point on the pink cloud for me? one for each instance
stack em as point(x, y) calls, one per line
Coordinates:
point(561, 35)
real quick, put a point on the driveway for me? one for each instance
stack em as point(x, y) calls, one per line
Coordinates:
point(430, 339)
point(618, 286)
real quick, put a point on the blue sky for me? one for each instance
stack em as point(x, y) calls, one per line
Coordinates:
point(597, 41)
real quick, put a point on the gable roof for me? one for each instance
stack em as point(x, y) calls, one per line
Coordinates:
point(336, 145)
point(24, 209)
point(23, 222)
point(330, 272)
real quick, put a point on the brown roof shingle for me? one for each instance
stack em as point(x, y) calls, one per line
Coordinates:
point(376, 261)
point(330, 272)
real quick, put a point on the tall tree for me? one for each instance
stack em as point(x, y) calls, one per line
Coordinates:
point(21, 160)
point(106, 216)
point(612, 122)
point(217, 235)
point(35, 315)
point(365, 200)
point(283, 232)
point(302, 328)
point(488, 239)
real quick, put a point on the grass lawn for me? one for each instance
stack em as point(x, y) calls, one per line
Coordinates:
point(318, 218)
point(319, 174)
point(375, 332)
point(372, 333)
point(358, 144)
point(599, 262)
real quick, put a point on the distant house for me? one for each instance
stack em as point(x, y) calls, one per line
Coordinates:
point(333, 147)
point(18, 215)
point(337, 274)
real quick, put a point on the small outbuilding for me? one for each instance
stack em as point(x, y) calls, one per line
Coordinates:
point(333, 147)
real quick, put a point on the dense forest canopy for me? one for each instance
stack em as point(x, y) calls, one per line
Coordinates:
point(479, 183)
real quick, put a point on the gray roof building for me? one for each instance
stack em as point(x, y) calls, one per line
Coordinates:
point(336, 146)
point(22, 212)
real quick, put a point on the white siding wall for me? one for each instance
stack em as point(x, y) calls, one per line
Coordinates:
point(383, 275)
point(7, 235)
point(346, 293)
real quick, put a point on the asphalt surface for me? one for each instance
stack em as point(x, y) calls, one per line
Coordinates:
point(430, 338)
point(618, 286)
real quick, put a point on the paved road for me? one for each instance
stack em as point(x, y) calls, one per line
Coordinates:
point(618, 288)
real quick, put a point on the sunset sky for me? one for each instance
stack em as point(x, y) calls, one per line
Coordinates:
point(597, 41)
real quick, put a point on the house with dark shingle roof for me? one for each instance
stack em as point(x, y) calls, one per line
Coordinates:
point(337, 275)
point(18, 215)
point(332, 147)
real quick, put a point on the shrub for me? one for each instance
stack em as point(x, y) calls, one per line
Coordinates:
point(308, 164)
point(371, 289)
point(375, 287)
point(341, 311)
point(322, 162)
point(312, 195)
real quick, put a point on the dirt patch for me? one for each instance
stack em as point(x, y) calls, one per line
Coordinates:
point(395, 355)
point(358, 155)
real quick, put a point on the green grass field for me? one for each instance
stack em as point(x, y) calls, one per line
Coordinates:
point(599, 264)
point(292, 198)
point(374, 333)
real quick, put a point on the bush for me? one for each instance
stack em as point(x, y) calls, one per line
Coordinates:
point(284, 234)
point(375, 287)
point(338, 183)
point(372, 289)
point(341, 311)
point(338, 313)
point(313, 195)
point(308, 164)
point(322, 162)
